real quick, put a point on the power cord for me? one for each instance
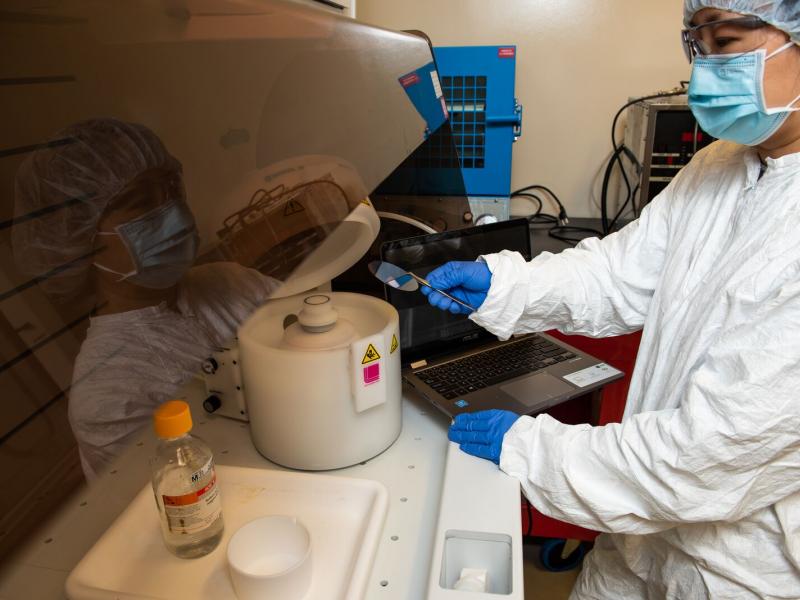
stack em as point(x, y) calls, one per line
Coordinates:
point(562, 218)
point(559, 229)
point(630, 193)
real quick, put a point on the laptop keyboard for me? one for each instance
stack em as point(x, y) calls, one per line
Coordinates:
point(489, 367)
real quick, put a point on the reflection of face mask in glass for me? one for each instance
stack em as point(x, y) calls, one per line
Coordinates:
point(162, 244)
point(726, 95)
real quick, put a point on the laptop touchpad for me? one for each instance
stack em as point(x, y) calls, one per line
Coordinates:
point(531, 390)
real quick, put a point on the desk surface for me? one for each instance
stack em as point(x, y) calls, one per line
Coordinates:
point(542, 242)
point(412, 470)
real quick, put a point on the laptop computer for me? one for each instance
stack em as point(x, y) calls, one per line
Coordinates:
point(459, 366)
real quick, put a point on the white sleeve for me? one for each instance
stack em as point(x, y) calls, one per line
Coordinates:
point(599, 288)
point(731, 448)
point(224, 295)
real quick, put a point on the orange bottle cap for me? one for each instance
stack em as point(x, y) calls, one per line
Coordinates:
point(172, 419)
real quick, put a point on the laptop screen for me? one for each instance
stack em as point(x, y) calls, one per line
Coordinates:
point(426, 332)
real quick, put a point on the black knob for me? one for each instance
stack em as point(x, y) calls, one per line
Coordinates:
point(209, 366)
point(212, 403)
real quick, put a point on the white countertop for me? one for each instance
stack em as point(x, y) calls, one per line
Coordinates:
point(412, 470)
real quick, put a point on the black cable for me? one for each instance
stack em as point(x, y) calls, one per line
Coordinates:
point(537, 217)
point(562, 212)
point(558, 222)
point(544, 219)
point(632, 200)
point(556, 233)
point(532, 197)
point(619, 212)
point(604, 193)
point(606, 179)
point(634, 205)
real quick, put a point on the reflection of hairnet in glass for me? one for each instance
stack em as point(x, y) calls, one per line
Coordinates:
point(69, 184)
point(783, 14)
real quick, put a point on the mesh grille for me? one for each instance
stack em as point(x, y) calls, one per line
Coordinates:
point(466, 102)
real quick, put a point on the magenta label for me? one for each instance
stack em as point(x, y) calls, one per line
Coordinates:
point(372, 373)
point(409, 80)
point(506, 52)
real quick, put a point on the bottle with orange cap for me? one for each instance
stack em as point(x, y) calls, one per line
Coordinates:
point(185, 484)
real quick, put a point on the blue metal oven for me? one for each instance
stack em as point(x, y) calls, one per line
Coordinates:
point(486, 119)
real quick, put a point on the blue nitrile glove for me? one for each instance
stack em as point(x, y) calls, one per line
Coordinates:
point(481, 433)
point(467, 281)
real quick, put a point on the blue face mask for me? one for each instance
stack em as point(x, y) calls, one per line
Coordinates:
point(162, 244)
point(726, 95)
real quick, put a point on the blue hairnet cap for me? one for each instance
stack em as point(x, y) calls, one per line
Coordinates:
point(782, 14)
point(62, 190)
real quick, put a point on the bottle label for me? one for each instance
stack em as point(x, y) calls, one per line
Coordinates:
point(193, 512)
point(202, 472)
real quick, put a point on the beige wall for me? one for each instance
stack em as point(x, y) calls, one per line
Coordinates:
point(578, 62)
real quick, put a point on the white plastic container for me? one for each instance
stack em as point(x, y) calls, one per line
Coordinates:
point(322, 379)
point(270, 558)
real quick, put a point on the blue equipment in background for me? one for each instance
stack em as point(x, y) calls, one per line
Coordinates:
point(486, 119)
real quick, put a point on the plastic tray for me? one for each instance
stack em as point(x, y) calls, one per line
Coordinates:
point(345, 517)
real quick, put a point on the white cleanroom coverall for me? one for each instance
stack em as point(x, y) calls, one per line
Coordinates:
point(699, 486)
point(131, 362)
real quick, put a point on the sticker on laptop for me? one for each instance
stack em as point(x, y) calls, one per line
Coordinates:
point(461, 403)
point(591, 375)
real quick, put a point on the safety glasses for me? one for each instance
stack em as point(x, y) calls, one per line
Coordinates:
point(726, 36)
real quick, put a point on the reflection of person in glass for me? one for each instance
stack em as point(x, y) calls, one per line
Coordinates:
point(113, 221)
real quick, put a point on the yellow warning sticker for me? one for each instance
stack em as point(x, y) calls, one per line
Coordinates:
point(394, 344)
point(371, 355)
point(292, 208)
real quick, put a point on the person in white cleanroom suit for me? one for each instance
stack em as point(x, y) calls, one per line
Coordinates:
point(116, 225)
point(698, 488)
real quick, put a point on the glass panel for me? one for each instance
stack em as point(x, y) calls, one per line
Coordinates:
point(165, 169)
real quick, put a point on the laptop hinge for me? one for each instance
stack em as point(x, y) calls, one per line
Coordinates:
point(418, 364)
